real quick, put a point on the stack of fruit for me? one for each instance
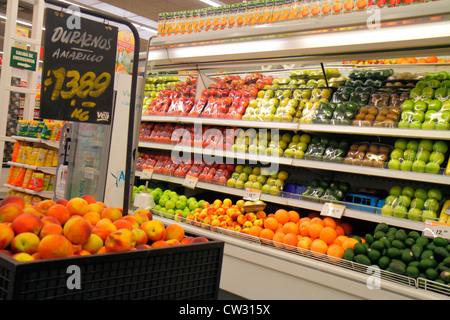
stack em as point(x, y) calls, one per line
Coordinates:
point(246, 176)
point(368, 154)
point(154, 85)
point(325, 149)
point(78, 227)
point(418, 155)
point(310, 101)
point(413, 204)
point(173, 205)
point(429, 105)
point(403, 252)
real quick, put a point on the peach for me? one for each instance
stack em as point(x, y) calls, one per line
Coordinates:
point(93, 217)
point(174, 231)
point(77, 230)
point(44, 205)
point(154, 229)
point(95, 207)
point(88, 198)
point(111, 213)
point(143, 246)
point(25, 242)
point(101, 204)
point(23, 257)
point(7, 252)
point(141, 218)
point(94, 244)
point(187, 240)
point(77, 206)
point(36, 256)
point(81, 252)
point(119, 241)
point(60, 212)
point(55, 246)
point(6, 235)
point(199, 239)
point(103, 228)
point(159, 243)
point(132, 220)
point(145, 212)
point(102, 250)
point(123, 224)
point(32, 210)
point(141, 236)
point(27, 222)
point(10, 211)
point(13, 199)
point(172, 242)
point(62, 201)
point(51, 228)
point(47, 220)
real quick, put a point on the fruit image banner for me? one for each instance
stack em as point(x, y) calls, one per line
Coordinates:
point(78, 71)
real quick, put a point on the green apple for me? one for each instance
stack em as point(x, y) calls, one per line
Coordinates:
point(435, 194)
point(290, 152)
point(415, 125)
point(426, 144)
point(408, 191)
point(397, 154)
point(387, 210)
point(428, 215)
point(180, 204)
point(408, 105)
point(417, 203)
point(295, 138)
point(432, 167)
point(428, 125)
point(445, 105)
point(400, 144)
point(403, 124)
point(442, 125)
point(261, 179)
point(415, 214)
point(169, 204)
point(434, 105)
point(274, 190)
point(265, 188)
point(394, 164)
point(431, 204)
point(239, 184)
point(423, 155)
point(396, 191)
point(421, 193)
point(299, 154)
point(420, 106)
point(418, 166)
point(409, 154)
point(193, 205)
point(440, 146)
point(247, 170)
point(404, 200)
point(406, 165)
point(400, 211)
point(437, 157)
point(390, 199)
point(306, 138)
point(413, 145)
point(418, 116)
point(243, 176)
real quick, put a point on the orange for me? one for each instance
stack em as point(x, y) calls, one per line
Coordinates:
point(339, 231)
point(271, 223)
point(293, 216)
point(266, 235)
point(278, 239)
point(290, 227)
point(290, 241)
point(304, 243)
point(319, 246)
point(255, 231)
point(335, 251)
point(442, 60)
point(329, 222)
point(421, 60)
point(328, 235)
point(340, 239)
point(347, 228)
point(317, 220)
point(432, 59)
point(303, 228)
point(349, 243)
point(282, 216)
point(314, 230)
point(303, 219)
point(412, 60)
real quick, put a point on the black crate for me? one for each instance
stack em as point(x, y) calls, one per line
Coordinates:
point(188, 271)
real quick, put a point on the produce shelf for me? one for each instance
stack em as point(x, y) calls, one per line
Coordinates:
point(294, 200)
point(49, 170)
point(299, 265)
point(43, 194)
point(48, 143)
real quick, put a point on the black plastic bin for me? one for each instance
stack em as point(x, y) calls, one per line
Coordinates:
point(188, 271)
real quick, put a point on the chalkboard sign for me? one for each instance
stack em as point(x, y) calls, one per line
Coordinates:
point(78, 70)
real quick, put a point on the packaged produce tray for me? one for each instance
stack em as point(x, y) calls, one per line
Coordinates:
point(190, 271)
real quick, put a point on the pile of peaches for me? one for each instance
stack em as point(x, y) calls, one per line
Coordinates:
point(77, 227)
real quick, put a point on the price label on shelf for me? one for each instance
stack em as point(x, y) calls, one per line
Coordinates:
point(190, 182)
point(147, 174)
point(434, 229)
point(89, 173)
point(332, 210)
point(252, 194)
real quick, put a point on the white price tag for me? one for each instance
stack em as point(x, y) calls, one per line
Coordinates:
point(147, 174)
point(190, 182)
point(252, 194)
point(434, 229)
point(332, 210)
point(89, 173)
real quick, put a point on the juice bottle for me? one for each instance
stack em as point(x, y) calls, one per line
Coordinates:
point(249, 14)
point(189, 17)
point(268, 9)
point(224, 17)
point(217, 18)
point(175, 20)
point(161, 21)
point(168, 24)
point(315, 8)
point(209, 18)
point(233, 16)
point(326, 8)
point(349, 6)
point(286, 9)
point(201, 20)
point(337, 7)
point(277, 9)
point(294, 13)
point(305, 11)
point(181, 24)
point(195, 19)
point(258, 12)
point(242, 9)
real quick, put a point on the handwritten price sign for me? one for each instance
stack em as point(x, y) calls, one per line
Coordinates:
point(78, 71)
point(434, 229)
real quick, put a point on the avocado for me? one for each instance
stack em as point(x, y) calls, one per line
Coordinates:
point(398, 244)
point(440, 253)
point(412, 271)
point(359, 248)
point(440, 242)
point(407, 256)
point(384, 262)
point(393, 253)
point(373, 255)
point(362, 259)
point(349, 254)
point(381, 227)
point(431, 274)
point(397, 266)
point(417, 250)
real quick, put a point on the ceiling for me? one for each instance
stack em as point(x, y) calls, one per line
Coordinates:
point(140, 11)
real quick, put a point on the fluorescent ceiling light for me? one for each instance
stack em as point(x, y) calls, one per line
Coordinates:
point(212, 3)
point(25, 23)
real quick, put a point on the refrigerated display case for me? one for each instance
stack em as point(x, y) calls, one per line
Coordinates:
point(406, 31)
